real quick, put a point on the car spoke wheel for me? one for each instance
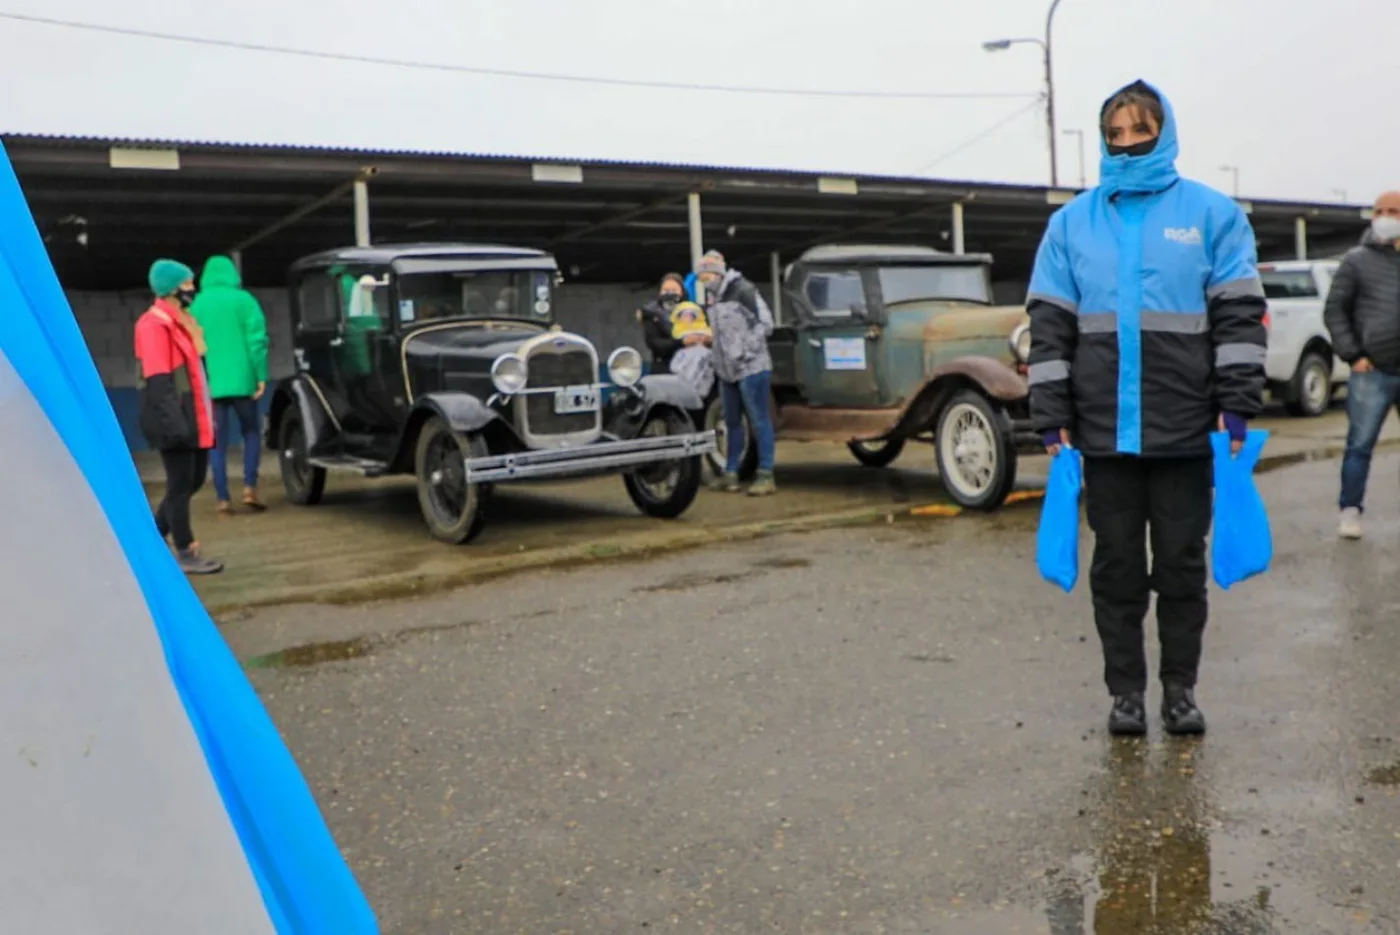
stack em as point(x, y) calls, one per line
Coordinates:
point(714, 422)
point(450, 505)
point(877, 454)
point(1311, 392)
point(303, 481)
point(665, 490)
point(975, 457)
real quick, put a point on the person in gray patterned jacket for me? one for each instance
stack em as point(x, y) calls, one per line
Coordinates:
point(740, 322)
point(1362, 315)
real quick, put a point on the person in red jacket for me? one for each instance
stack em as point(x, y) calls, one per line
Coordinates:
point(177, 414)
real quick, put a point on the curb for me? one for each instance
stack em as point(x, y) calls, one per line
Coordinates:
point(642, 547)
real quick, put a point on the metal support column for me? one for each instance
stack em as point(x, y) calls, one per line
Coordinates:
point(775, 268)
point(237, 257)
point(697, 234)
point(361, 213)
point(958, 239)
point(697, 240)
point(1300, 238)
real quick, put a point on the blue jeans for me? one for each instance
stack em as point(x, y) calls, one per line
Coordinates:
point(1370, 397)
point(245, 410)
point(749, 395)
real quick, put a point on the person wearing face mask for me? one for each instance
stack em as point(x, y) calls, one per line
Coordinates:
point(1147, 333)
point(655, 318)
point(1362, 314)
point(177, 412)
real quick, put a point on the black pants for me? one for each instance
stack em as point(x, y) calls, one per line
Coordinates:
point(1125, 497)
point(185, 469)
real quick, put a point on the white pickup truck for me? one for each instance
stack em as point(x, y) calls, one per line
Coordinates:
point(1302, 370)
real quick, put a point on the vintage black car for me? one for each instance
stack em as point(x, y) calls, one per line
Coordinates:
point(444, 361)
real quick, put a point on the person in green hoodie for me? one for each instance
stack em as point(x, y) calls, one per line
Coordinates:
point(235, 332)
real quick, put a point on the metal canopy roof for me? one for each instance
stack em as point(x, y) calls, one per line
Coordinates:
point(606, 222)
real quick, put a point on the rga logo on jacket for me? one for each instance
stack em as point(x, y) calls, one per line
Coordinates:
point(1186, 236)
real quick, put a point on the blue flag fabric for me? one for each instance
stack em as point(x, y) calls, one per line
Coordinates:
point(1243, 544)
point(306, 885)
point(1057, 537)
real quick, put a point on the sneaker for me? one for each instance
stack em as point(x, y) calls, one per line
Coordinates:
point(763, 485)
point(251, 501)
point(1350, 525)
point(1129, 716)
point(192, 563)
point(1179, 712)
point(726, 483)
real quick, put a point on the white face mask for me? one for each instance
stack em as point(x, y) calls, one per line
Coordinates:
point(1386, 229)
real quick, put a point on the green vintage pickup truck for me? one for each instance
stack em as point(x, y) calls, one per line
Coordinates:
point(882, 345)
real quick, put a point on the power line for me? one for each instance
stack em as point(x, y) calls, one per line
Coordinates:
point(506, 73)
point(979, 137)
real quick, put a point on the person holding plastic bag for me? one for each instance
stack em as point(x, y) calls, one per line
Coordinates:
point(1147, 334)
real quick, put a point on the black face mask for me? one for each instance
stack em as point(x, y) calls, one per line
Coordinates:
point(1137, 149)
point(669, 298)
point(185, 297)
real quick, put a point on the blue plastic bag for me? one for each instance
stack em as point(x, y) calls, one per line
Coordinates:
point(1243, 545)
point(1057, 539)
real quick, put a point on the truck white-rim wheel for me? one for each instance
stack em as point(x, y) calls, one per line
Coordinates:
point(969, 449)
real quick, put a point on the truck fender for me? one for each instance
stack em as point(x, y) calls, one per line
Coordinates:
point(317, 419)
point(991, 376)
point(669, 389)
point(463, 412)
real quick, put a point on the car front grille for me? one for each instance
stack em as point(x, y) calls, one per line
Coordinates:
point(548, 367)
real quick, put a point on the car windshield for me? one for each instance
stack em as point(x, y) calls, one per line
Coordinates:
point(1288, 284)
point(935, 283)
point(454, 294)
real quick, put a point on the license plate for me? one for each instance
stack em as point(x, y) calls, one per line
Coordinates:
point(571, 399)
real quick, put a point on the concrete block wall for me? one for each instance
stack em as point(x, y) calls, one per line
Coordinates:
point(603, 313)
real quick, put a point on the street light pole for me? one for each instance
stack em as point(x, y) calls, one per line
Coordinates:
point(1083, 179)
point(1235, 171)
point(999, 45)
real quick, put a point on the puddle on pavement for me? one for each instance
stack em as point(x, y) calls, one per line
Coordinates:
point(1385, 775)
point(313, 654)
point(1158, 862)
point(690, 582)
point(784, 561)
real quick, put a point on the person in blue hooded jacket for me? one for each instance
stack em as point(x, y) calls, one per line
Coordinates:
point(1147, 333)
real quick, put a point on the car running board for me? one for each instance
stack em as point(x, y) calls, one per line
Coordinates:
point(362, 466)
point(598, 457)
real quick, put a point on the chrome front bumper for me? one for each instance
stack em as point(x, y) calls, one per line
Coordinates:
point(597, 458)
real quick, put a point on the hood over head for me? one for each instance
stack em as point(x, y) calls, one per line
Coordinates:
point(1142, 174)
point(219, 272)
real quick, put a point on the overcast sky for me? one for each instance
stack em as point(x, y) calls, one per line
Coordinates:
point(1257, 84)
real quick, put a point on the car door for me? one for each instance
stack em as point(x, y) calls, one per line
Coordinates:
point(347, 347)
point(835, 354)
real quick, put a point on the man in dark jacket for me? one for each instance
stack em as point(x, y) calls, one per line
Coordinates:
point(1147, 332)
point(1363, 316)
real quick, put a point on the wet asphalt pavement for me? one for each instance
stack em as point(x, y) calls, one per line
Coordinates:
point(882, 729)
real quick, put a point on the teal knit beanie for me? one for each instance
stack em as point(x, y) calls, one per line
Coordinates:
point(167, 275)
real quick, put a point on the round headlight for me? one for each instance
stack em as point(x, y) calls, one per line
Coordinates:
point(508, 374)
point(1021, 342)
point(625, 366)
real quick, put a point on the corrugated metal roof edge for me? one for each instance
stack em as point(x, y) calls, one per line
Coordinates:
point(94, 141)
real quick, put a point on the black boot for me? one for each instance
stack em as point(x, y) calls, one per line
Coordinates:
point(1179, 712)
point(1129, 716)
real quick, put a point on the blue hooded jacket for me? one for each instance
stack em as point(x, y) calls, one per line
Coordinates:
point(1147, 313)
